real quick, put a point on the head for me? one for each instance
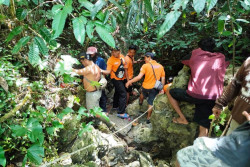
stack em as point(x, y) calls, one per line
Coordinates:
point(207, 44)
point(132, 50)
point(85, 59)
point(170, 79)
point(92, 51)
point(116, 52)
point(148, 56)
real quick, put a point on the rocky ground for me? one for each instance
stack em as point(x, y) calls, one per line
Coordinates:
point(143, 145)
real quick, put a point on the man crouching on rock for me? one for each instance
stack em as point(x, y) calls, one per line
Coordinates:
point(205, 84)
point(90, 73)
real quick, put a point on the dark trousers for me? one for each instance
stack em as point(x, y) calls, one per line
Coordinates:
point(120, 96)
point(103, 101)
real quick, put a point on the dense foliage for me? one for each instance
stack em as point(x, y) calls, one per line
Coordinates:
point(35, 33)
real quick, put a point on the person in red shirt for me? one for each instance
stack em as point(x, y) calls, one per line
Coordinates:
point(148, 89)
point(117, 68)
point(205, 84)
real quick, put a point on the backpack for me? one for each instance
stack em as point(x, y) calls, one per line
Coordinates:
point(120, 71)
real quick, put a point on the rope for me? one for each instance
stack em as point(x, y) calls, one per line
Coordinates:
point(86, 147)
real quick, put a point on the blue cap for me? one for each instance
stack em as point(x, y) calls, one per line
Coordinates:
point(149, 54)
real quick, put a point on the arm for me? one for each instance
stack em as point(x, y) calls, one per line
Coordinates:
point(230, 92)
point(126, 73)
point(135, 79)
point(106, 72)
point(79, 72)
point(163, 80)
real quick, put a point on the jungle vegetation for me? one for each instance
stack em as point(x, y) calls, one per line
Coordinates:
point(35, 33)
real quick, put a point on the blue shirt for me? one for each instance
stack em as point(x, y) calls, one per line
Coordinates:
point(101, 63)
point(234, 149)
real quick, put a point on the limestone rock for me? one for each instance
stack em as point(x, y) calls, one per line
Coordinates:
point(70, 130)
point(135, 109)
point(142, 135)
point(174, 136)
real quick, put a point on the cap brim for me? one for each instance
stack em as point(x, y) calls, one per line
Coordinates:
point(90, 53)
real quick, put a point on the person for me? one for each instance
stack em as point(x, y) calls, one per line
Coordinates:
point(226, 151)
point(169, 83)
point(239, 87)
point(117, 68)
point(102, 65)
point(148, 69)
point(91, 72)
point(205, 84)
point(129, 58)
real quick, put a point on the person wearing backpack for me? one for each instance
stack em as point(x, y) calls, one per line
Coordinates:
point(153, 72)
point(117, 68)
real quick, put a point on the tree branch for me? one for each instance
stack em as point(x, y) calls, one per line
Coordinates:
point(13, 112)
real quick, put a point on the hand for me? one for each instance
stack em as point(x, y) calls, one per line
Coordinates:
point(127, 84)
point(246, 114)
point(216, 112)
point(161, 92)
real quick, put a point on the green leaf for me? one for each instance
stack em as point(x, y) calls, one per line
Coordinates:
point(86, 128)
point(68, 6)
point(227, 33)
point(105, 35)
point(97, 7)
point(170, 20)
point(36, 1)
point(47, 36)
point(79, 28)
point(35, 130)
point(81, 112)
point(59, 22)
point(57, 124)
point(41, 45)
point(88, 5)
point(199, 5)
point(117, 5)
point(179, 3)
point(21, 13)
point(33, 54)
point(211, 4)
point(13, 33)
point(211, 116)
point(18, 130)
point(41, 109)
point(35, 154)
point(216, 128)
point(64, 112)
point(5, 2)
point(2, 157)
point(56, 9)
point(242, 20)
point(1, 130)
point(21, 43)
point(90, 29)
point(25, 160)
point(149, 8)
point(221, 24)
point(50, 130)
point(113, 21)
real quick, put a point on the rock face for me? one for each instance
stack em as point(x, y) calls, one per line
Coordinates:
point(174, 136)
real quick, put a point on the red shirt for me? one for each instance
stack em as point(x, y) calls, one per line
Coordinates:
point(207, 74)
